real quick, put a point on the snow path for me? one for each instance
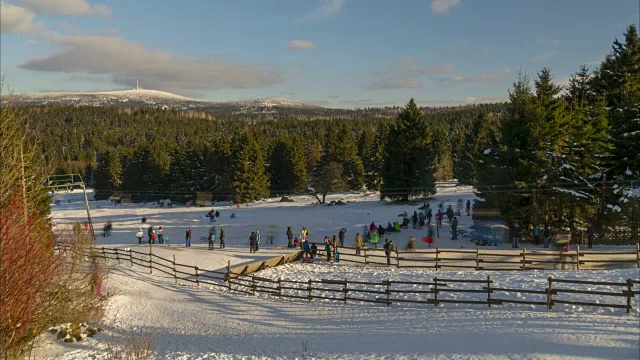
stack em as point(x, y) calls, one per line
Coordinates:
point(197, 323)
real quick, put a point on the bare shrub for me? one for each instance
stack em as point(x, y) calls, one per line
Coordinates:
point(130, 347)
point(40, 285)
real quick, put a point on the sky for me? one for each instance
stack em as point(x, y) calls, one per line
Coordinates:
point(333, 53)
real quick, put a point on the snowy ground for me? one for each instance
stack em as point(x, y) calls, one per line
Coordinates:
point(270, 217)
point(190, 322)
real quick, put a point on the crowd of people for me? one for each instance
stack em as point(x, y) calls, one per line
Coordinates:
point(371, 234)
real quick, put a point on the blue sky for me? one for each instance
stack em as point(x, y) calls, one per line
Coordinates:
point(334, 53)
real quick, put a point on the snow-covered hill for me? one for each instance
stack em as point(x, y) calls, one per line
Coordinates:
point(140, 98)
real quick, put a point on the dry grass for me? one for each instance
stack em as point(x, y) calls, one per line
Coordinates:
point(130, 347)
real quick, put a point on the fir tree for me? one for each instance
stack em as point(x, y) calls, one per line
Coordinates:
point(408, 157)
point(288, 171)
point(339, 158)
point(249, 181)
point(618, 81)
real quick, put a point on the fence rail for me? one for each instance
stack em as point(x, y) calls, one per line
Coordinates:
point(481, 259)
point(386, 292)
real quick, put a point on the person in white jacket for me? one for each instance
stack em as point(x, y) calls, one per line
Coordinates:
point(139, 235)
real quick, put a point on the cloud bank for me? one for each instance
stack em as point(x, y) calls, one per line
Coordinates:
point(125, 62)
point(67, 7)
point(16, 19)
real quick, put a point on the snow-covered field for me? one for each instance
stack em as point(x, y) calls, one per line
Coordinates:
point(190, 322)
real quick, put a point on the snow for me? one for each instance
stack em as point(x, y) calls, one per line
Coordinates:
point(190, 322)
point(487, 151)
point(572, 192)
point(131, 94)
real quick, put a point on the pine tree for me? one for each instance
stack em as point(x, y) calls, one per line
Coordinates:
point(443, 154)
point(408, 158)
point(288, 171)
point(249, 181)
point(339, 159)
point(367, 154)
point(108, 174)
point(328, 176)
point(618, 81)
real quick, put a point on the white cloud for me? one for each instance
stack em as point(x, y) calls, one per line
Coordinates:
point(443, 6)
point(16, 19)
point(125, 62)
point(506, 70)
point(476, 78)
point(67, 7)
point(391, 85)
point(301, 45)
point(402, 74)
point(547, 42)
point(326, 10)
point(544, 57)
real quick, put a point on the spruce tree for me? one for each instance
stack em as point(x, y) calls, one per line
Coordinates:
point(288, 171)
point(618, 81)
point(108, 174)
point(408, 157)
point(249, 180)
point(339, 167)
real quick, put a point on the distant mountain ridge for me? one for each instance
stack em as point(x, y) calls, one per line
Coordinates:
point(141, 98)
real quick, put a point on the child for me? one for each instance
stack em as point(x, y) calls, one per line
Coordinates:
point(295, 242)
point(139, 235)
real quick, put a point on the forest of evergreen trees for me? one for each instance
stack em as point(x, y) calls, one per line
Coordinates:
point(549, 153)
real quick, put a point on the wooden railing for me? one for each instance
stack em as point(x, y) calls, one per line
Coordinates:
point(386, 292)
point(482, 259)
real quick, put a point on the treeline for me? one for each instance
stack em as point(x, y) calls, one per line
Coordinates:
point(157, 153)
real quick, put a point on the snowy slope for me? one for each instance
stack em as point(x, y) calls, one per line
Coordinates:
point(191, 322)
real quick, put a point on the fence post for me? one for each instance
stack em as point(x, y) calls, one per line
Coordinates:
point(175, 273)
point(435, 290)
point(477, 258)
point(130, 258)
point(397, 258)
point(117, 256)
point(346, 290)
point(150, 261)
point(253, 284)
point(577, 257)
point(629, 294)
point(549, 294)
point(524, 258)
point(309, 288)
point(104, 255)
point(489, 290)
point(388, 292)
point(197, 277)
point(365, 256)
point(437, 260)
point(638, 254)
point(229, 274)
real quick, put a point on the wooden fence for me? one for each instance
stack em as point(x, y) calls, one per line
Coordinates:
point(481, 259)
point(387, 292)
